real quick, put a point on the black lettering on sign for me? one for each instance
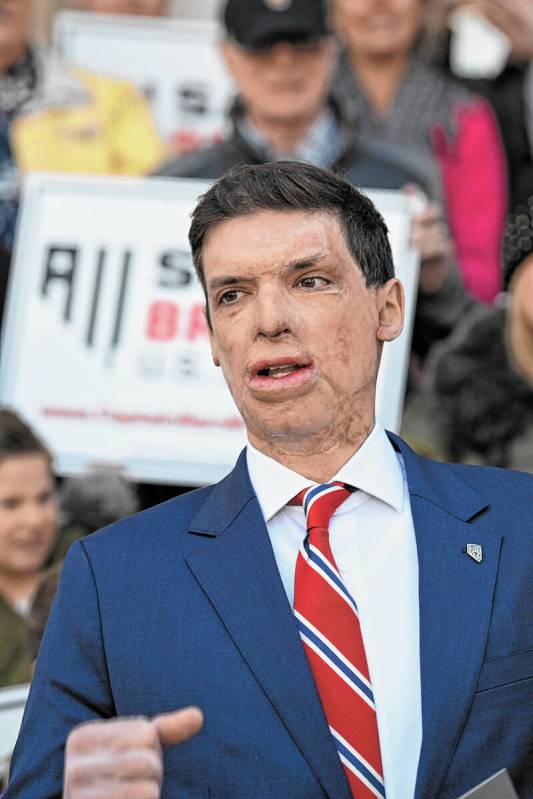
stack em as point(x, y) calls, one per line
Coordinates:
point(185, 367)
point(175, 269)
point(121, 299)
point(60, 266)
point(193, 98)
point(97, 287)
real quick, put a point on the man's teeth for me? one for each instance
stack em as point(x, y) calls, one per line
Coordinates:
point(281, 371)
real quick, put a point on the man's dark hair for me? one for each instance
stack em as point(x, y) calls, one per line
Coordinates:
point(292, 186)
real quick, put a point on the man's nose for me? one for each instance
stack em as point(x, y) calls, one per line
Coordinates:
point(271, 314)
point(283, 53)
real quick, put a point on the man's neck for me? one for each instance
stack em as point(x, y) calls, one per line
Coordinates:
point(380, 79)
point(283, 137)
point(313, 457)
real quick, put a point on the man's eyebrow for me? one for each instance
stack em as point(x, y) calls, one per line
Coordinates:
point(293, 265)
point(307, 261)
point(226, 280)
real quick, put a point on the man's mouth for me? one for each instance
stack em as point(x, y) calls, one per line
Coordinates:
point(280, 373)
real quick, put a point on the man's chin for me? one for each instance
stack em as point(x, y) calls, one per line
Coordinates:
point(288, 426)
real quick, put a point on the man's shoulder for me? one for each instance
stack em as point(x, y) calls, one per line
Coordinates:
point(494, 479)
point(208, 163)
point(150, 528)
point(465, 487)
point(506, 493)
point(376, 166)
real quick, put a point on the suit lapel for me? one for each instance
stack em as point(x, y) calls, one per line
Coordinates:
point(456, 595)
point(238, 572)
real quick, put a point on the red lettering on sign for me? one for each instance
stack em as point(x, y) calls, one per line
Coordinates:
point(162, 322)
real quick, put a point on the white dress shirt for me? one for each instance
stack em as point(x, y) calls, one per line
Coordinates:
point(373, 542)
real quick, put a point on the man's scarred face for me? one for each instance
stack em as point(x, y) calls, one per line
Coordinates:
point(295, 329)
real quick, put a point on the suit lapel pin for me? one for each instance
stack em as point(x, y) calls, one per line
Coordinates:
point(475, 551)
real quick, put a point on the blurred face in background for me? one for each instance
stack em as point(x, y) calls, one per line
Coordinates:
point(286, 82)
point(14, 30)
point(378, 28)
point(145, 8)
point(28, 514)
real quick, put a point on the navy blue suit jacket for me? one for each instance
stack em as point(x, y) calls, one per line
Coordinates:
point(183, 604)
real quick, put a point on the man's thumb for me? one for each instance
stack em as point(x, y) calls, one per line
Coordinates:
point(178, 726)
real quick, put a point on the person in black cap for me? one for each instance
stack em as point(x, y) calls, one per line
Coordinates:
point(476, 400)
point(281, 55)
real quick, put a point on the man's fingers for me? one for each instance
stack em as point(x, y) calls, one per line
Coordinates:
point(432, 213)
point(176, 727)
point(115, 766)
point(103, 789)
point(113, 734)
point(133, 733)
point(122, 758)
point(512, 16)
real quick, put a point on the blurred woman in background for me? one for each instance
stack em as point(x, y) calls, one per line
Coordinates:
point(32, 543)
point(509, 89)
point(29, 534)
point(397, 98)
point(69, 120)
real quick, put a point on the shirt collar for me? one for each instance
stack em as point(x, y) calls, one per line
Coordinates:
point(375, 469)
point(321, 145)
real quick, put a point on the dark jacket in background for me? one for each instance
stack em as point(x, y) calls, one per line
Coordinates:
point(365, 164)
point(474, 406)
point(8, 187)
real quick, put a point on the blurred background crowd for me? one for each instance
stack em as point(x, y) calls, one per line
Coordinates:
point(430, 97)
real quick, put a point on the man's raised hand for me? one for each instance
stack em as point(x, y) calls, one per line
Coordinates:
point(122, 758)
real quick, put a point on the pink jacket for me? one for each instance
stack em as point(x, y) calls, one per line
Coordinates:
point(474, 178)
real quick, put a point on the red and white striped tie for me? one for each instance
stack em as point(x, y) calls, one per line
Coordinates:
point(329, 627)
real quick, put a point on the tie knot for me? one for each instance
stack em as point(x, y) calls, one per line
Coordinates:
point(320, 502)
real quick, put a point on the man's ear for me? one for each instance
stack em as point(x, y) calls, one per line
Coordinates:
point(229, 55)
point(391, 307)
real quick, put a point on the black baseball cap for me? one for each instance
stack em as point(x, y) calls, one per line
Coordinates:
point(256, 24)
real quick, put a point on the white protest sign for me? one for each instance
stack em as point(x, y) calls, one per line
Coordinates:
point(105, 347)
point(175, 63)
point(12, 703)
point(398, 210)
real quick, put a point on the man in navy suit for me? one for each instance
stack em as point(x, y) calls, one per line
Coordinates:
point(190, 603)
